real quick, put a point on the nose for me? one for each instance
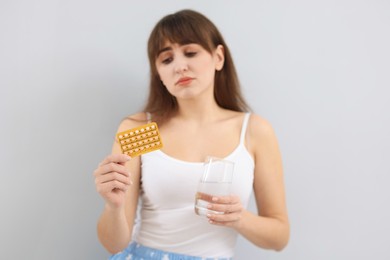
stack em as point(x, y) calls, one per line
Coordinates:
point(181, 65)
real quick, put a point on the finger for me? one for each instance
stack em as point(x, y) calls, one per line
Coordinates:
point(231, 199)
point(111, 186)
point(115, 158)
point(113, 176)
point(118, 185)
point(223, 219)
point(111, 167)
point(226, 208)
point(223, 224)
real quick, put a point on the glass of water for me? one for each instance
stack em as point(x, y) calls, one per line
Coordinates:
point(216, 181)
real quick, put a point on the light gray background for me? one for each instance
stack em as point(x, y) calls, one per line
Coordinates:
point(317, 70)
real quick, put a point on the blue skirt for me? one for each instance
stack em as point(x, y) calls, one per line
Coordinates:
point(136, 251)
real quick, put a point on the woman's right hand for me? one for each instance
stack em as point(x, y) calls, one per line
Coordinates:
point(112, 179)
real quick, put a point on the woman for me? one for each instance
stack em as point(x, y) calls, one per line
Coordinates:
point(195, 99)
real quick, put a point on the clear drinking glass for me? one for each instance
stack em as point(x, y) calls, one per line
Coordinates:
point(216, 181)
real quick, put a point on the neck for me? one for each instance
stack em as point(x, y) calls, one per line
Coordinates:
point(201, 111)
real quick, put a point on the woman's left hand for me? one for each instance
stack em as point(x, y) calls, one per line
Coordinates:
point(230, 206)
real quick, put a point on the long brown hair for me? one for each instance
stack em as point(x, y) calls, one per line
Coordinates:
point(184, 27)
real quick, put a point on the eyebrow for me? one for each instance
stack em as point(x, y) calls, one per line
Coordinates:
point(163, 50)
point(169, 48)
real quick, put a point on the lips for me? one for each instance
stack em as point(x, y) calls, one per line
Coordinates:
point(184, 81)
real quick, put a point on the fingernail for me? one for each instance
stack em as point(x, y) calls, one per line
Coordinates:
point(214, 199)
point(128, 158)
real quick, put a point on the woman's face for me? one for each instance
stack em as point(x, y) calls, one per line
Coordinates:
point(188, 71)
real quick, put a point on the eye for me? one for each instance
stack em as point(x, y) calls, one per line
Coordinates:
point(167, 60)
point(190, 53)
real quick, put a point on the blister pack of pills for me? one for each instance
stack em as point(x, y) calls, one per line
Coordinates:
point(140, 140)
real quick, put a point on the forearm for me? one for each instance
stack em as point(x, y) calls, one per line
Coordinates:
point(265, 232)
point(113, 230)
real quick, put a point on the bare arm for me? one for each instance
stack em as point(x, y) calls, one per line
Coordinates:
point(118, 181)
point(269, 228)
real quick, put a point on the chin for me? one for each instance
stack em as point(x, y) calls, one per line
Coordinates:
point(185, 94)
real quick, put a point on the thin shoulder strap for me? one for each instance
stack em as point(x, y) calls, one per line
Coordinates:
point(148, 117)
point(244, 127)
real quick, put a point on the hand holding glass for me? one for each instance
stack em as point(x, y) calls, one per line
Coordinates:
point(216, 181)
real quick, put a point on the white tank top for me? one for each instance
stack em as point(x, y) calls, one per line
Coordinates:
point(167, 220)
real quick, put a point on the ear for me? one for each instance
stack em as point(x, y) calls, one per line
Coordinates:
point(219, 56)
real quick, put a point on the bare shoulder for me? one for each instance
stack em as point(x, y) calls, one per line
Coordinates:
point(260, 135)
point(259, 127)
point(132, 121)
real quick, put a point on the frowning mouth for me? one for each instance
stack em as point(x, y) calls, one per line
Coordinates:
point(184, 81)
